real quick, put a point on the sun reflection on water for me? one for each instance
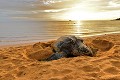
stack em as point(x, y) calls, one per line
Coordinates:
point(78, 28)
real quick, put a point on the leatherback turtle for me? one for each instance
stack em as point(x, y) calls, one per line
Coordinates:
point(69, 46)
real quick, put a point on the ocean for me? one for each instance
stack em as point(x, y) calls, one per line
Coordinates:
point(14, 30)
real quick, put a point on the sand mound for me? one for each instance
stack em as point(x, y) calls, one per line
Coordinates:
point(103, 45)
point(40, 51)
point(42, 45)
point(14, 65)
point(40, 54)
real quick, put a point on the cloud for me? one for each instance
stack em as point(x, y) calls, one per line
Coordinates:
point(55, 8)
point(59, 5)
point(49, 9)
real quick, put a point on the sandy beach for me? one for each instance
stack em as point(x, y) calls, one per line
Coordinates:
point(21, 62)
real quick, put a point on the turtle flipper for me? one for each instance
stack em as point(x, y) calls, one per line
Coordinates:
point(55, 56)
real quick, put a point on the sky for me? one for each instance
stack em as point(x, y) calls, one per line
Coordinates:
point(62, 9)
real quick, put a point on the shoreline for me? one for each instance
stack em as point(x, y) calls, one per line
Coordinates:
point(31, 43)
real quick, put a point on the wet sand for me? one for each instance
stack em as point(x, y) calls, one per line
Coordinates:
point(20, 62)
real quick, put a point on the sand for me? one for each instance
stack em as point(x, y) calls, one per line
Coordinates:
point(22, 62)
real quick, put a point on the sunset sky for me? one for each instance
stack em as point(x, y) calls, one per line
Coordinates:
point(77, 9)
point(64, 9)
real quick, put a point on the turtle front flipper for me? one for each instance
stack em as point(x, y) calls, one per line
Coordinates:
point(55, 56)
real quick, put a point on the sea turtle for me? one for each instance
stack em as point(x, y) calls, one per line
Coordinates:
point(69, 46)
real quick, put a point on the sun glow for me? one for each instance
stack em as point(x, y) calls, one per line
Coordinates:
point(83, 12)
point(87, 15)
point(80, 12)
point(78, 15)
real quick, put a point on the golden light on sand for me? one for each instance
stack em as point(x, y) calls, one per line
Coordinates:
point(23, 62)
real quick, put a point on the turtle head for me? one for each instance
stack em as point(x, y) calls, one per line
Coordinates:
point(81, 48)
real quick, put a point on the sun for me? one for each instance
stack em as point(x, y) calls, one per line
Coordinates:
point(78, 15)
point(79, 12)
